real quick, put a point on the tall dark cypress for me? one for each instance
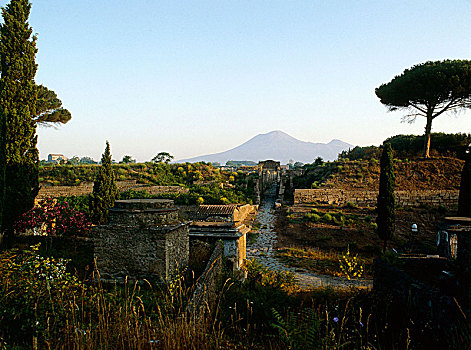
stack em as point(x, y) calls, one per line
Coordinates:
point(105, 190)
point(464, 201)
point(18, 93)
point(386, 219)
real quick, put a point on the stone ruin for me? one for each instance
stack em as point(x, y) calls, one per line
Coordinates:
point(224, 223)
point(143, 240)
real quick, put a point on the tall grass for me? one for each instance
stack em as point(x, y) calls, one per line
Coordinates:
point(43, 306)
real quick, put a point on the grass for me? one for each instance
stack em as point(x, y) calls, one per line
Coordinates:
point(319, 261)
point(266, 312)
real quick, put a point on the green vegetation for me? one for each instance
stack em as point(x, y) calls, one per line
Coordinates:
point(428, 90)
point(105, 190)
point(18, 98)
point(386, 201)
point(336, 217)
point(41, 303)
point(164, 157)
point(202, 180)
point(331, 262)
point(49, 108)
point(411, 146)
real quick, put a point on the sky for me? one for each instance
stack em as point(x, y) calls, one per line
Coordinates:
point(197, 77)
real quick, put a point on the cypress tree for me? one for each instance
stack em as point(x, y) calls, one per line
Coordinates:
point(386, 219)
point(104, 190)
point(19, 157)
point(464, 201)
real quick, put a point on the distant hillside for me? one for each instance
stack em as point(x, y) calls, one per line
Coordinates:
point(279, 146)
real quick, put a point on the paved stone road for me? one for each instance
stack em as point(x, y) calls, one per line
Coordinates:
point(263, 249)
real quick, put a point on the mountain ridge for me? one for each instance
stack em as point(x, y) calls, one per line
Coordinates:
point(276, 145)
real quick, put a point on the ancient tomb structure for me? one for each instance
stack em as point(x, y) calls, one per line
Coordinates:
point(144, 239)
point(225, 223)
point(232, 235)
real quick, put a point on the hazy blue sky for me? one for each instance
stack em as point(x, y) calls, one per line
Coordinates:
point(195, 77)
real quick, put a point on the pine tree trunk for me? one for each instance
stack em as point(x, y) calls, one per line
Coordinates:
point(428, 132)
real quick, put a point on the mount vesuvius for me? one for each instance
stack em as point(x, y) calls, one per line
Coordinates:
point(276, 145)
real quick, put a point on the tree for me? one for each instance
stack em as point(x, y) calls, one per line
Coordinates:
point(49, 108)
point(429, 89)
point(127, 160)
point(105, 190)
point(318, 161)
point(386, 219)
point(73, 161)
point(464, 201)
point(163, 157)
point(18, 97)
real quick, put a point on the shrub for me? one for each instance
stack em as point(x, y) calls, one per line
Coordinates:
point(105, 190)
point(327, 217)
point(51, 217)
point(31, 294)
point(350, 265)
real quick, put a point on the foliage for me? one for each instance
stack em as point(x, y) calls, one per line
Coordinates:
point(32, 292)
point(324, 262)
point(51, 217)
point(386, 199)
point(49, 108)
point(105, 190)
point(18, 97)
point(429, 89)
point(162, 157)
point(351, 266)
point(411, 146)
point(208, 194)
point(300, 330)
point(358, 152)
point(464, 201)
point(127, 160)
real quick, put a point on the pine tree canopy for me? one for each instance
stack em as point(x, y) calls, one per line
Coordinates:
point(429, 89)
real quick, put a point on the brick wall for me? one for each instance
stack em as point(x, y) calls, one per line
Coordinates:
point(447, 198)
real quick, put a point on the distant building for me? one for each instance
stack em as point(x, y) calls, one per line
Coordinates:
point(56, 158)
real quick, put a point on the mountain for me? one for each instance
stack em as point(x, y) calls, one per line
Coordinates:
point(276, 145)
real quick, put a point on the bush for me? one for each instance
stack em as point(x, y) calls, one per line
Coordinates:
point(31, 294)
point(50, 217)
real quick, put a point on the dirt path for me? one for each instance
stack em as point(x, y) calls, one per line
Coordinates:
point(263, 249)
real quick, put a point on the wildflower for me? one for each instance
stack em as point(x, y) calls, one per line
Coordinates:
point(335, 319)
point(361, 323)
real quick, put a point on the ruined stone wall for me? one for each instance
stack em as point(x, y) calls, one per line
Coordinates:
point(207, 286)
point(420, 302)
point(447, 198)
point(241, 212)
point(144, 239)
point(87, 188)
point(177, 248)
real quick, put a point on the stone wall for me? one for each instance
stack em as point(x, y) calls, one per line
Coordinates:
point(207, 286)
point(420, 302)
point(447, 198)
point(240, 213)
point(144, 239)
point(87, 188)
